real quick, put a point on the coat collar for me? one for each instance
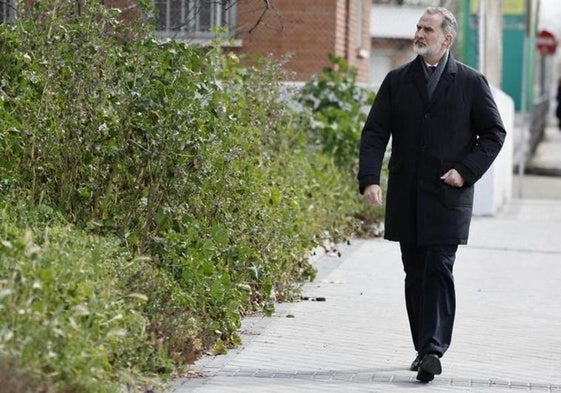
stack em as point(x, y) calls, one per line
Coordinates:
point(416, 66)
point(415, 74)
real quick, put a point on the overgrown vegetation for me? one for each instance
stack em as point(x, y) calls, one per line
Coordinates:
point(152, 194)
point(67, 321)
point(338, 108)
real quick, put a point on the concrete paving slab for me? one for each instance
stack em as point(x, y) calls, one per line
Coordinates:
point(537, 186)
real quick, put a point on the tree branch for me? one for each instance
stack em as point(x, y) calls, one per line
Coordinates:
point(267, 8)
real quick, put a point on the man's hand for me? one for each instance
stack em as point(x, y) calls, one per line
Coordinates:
point(373, 195)
point(453, 178)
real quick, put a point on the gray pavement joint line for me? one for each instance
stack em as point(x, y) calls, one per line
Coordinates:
point(359, 377)
point(513, 249)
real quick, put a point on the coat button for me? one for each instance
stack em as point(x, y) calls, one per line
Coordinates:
point(427, 115)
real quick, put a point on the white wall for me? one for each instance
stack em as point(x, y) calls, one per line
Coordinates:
point(490, 40)
point(494, 189)
point(380, 65)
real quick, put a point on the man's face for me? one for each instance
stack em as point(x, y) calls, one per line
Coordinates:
point(430, 40)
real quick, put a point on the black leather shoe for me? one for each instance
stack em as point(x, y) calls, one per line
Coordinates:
point(415, 365)
point(429, 367)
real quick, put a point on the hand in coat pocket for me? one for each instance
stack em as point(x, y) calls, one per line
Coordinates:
point(453, 178)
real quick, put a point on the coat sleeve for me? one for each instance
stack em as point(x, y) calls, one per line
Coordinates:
point(487, 124)
point(375, 137)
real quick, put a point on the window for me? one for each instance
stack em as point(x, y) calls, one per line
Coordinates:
point(7, 10)
point(194, 19)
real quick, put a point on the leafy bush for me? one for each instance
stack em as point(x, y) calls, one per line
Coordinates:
point(149, 168)
point(339, 108)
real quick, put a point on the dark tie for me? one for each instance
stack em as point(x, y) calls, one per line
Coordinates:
point(431, 70)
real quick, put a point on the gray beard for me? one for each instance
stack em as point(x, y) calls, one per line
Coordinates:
point(426, 50)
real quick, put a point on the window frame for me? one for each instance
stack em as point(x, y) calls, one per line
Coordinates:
point(222, 13)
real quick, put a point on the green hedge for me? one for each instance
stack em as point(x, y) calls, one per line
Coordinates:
point(66, 322)
point(154, 193)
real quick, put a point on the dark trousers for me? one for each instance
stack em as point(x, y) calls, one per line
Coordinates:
point(429, 295)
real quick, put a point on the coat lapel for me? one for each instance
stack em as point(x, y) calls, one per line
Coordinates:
point(417, 77)
point(446, 80)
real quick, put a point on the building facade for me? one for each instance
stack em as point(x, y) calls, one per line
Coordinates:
point(307, 31)
point(299, 33)
point(392, 29)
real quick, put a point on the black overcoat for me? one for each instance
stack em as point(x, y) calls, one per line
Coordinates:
point(459, 127)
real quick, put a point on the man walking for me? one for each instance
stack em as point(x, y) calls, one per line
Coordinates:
point(446, 131)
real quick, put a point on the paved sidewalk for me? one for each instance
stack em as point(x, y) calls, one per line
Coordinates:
point(508, 325)
point(507, 334)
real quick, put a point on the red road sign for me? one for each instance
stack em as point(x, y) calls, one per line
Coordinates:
point(546, 42)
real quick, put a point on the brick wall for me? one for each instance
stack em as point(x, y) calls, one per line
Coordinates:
point(118, 3)
point(357, 36)
point(129, 8)
point(307, 31)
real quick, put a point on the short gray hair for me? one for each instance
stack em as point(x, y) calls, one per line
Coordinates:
point(449, 24)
